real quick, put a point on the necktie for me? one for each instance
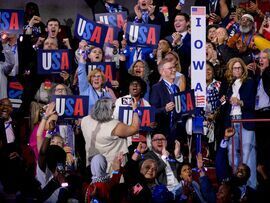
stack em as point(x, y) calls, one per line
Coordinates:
point(173, 88)
point(145, 17)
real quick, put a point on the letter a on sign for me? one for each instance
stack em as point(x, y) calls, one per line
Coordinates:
point(145, 118)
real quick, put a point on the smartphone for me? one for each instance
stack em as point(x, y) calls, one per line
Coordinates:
point(181, 2)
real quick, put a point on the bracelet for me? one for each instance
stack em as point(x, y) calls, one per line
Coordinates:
point(45, 117)
point(49, 134)
point(137, 111)
point(201, 170)
point(28, 26)
point(137, 152)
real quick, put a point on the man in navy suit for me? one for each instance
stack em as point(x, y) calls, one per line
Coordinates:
point(181, 40)
point(162, 99)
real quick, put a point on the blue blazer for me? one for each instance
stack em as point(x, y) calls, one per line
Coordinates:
point(184, 52)
point(159, 97)
point(247, 94)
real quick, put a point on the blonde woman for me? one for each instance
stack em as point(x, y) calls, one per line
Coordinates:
point(92, 85)
point(240, 104)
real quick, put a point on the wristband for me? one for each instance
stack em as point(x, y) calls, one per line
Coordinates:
point(115, 172)
point(45, 117)
point(137, 111)
point(49, 134)
point(201, 170)
point(137, 152)
point(28, 26)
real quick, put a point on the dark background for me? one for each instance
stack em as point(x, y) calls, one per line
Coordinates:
point(65, 9)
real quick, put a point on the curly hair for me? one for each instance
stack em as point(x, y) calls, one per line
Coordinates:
point(102, 110)
point(146, 69)
point(229, 71)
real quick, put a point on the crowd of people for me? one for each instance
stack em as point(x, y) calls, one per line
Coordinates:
point(101, 159)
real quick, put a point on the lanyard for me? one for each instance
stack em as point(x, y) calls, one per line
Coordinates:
point(137, 54)
point(13, 48)
point(170, 88)
point(249, 38)
point(7, 126)
point(102, 93)
point(140, 103)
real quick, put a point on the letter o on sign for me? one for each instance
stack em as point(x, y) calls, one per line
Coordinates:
point(198, 44)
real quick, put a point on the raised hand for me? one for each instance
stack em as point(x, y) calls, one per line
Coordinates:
point(138, 11)
point(177, 149)
point(229, 132)
point(142, 147)
point(50, 109)
point(165, 152)
point(34, 20)
point(199, 160)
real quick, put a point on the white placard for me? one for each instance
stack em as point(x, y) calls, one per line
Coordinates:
point(198, 54)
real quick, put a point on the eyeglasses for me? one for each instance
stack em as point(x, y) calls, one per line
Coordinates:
point(160, 140)
point(96, 76)
point(60, 89)
point(170, 68)
point(237, 68)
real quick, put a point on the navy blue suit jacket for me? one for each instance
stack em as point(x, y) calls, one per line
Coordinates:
point(184, 52)
point(247, 94)
point(160, 96)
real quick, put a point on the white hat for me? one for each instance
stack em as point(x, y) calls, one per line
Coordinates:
point(248, 16)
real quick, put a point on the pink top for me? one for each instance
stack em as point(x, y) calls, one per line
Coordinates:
point(33, 140)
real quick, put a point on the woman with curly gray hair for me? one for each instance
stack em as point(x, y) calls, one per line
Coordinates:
point(139, 68)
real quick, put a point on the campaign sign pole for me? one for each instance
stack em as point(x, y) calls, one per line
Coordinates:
point(198, 54)
point(198, 67)
point(197, 129)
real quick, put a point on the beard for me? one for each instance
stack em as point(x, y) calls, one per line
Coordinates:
point(245, 29)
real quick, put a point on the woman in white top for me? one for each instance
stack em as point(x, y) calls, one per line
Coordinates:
point(240, 104)
point(105, 135)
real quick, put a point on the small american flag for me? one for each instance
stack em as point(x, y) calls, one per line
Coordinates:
point(198, 11)
point(200, 100)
